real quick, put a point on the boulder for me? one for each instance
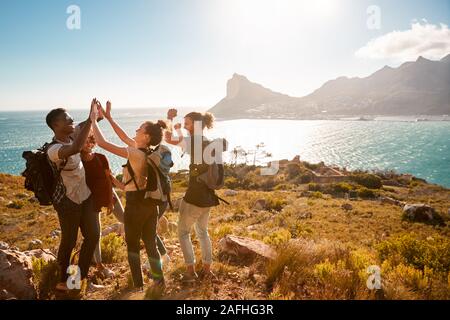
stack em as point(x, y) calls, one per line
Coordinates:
point(44, 254)
point(3, 245)
point(422, 213)
point(260, 204)
point(230, 193)
point(16, 274)
point(245, 249)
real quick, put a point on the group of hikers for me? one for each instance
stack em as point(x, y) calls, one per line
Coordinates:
point(84, 185)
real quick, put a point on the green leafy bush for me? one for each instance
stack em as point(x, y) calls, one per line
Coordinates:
point(278, 237)
point(367, 180)
point(314, 187)
point(341, 187)
point(433, 252)
point(366, 193)
point(113, 249)
point(275, 204)
point(316, 195)
point(45, 275)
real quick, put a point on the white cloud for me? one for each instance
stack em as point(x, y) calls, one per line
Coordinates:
point(423, 39)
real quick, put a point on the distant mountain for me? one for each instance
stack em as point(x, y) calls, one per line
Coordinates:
point(414, 88)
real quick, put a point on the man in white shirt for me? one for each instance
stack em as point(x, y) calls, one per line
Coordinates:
point(72, 198)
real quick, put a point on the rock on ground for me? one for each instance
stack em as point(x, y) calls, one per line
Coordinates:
point(230, 193)
point(3, 245)
point(16, 274)
point(245, 248)
point(260, 204)
point(422, 213)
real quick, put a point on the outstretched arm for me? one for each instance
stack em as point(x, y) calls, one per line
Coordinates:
point(117, 183)
point(103, 143)
point(117, 129)
point(79, 141)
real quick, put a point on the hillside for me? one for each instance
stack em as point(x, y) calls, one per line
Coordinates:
point(414, 88)
point(323, 242)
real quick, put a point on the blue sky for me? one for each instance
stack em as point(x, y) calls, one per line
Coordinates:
point(181, 52)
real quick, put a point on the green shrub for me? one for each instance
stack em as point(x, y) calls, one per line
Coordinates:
point(367, 180)
point(232, 182)
point(433, 252)
point(314, 187)
point(278, 237)
point(45, 275)
point(223, 230)
point(341, 187)
point(316, 195)
point(366, 193)
point(313, 166)
point(113, 249)
point(275, 204)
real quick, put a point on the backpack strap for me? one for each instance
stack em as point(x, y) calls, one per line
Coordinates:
point(223, 200)
point(64, 163)
point(133, 178)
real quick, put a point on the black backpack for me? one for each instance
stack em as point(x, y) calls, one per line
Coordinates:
point(41, 176)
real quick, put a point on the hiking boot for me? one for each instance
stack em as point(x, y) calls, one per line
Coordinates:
point(189, 277)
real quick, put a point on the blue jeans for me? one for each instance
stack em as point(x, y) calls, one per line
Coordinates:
point(191, 215)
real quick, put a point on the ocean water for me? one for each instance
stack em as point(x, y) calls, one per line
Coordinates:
point(419, 148)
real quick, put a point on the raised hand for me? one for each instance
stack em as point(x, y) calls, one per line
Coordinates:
point(108, 110)
point(172, 113)
point(94, 112)
point(99, 111)
point(93, 106)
